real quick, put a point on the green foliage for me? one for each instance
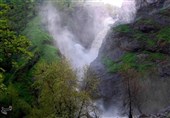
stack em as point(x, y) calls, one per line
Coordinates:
point(123, 28)
point(148, 38)
point(135, 34)
point(20, 13)
point(47, 50)
point(3, 10)
point(151, 42)
point(140, 36)
point(165, 12)
point(164, 34)
point(56, 84)
point(2, 85)
point(24, 91)
point(155, 56)
point(65, 4)
point(33, 28)
point(50, 53)
point(131, 61)
point(14, 53)
point(13, 47)
point(112, 66)
point(12, 97)
point(18, 95)
point(57, 81)
point(144, 21)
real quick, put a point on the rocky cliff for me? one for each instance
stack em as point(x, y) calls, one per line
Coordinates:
point(143, 46)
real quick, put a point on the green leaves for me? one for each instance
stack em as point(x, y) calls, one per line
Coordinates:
point(20, 13)
point(2, 86)
point(3, 9)
point(123, 28)
point(132, 61)
point(58, 95)
point(56, 82)
point(164, 34)
point(13, 47)
point(129, 60)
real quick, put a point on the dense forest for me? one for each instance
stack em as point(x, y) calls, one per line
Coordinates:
point(33, 78)
point(37, 81)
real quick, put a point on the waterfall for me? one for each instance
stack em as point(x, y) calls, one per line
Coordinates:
point(80, 33)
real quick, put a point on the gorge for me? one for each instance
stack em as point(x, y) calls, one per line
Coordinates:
point(85, 58)
point(80, 32)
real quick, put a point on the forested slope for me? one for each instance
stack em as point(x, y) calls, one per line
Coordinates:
point(35, 81)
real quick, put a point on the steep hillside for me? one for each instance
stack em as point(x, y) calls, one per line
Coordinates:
point(140, 53)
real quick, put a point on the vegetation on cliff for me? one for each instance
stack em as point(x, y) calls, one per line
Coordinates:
point(37, 82)
point(34, 80)
point(145, 64)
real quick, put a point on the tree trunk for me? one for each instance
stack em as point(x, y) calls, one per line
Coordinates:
point(130, 100)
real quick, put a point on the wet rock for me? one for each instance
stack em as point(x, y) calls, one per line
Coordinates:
point(117, 44)
point(164, 69)
point(164, 48)
point(147, 28)
point(151, 48)
point(142, 56)
point(165, 113)
point(143, 116)
point(110, 86)
point(167, 3)
point(130, 45)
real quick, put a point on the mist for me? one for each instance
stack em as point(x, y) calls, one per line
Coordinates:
point(80, 31)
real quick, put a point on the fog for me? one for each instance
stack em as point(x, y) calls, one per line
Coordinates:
point(79, 32)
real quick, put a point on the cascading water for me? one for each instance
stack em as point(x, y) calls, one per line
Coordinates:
point(79, 33)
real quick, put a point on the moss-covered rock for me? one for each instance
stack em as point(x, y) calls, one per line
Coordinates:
point(165, 12)
point(142, 46)
point(164, 34)
point(146, 25)
point(125, 28)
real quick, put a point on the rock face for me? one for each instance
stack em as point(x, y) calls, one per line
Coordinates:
point(148, 38)
point(110, 84)
point(165, 113)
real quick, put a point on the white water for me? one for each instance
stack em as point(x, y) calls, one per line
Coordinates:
point(103, 14)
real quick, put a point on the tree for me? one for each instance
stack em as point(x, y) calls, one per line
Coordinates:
point(20, 13)
point(2, 85)
point(88, 90)
point(14, 55)
point(133, 90)
point(13, 47)
point(58, 94)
